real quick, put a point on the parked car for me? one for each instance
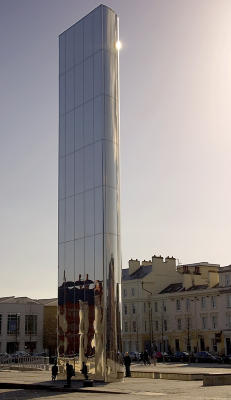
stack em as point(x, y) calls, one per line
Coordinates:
point(18, 355)
point(179, 356)
point(134, 355)
point(162, 356)
point(205, 356)
point(43, 354)
point(227, 359)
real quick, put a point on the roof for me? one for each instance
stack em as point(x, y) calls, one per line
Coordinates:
point(197, 287)
point(227, 268)
point(200, 264)
point(53, 303)
point(47, 301)
point(5, 298)
point(174, 287)
point(178, 287)
point(18, 300)
point(138, 274)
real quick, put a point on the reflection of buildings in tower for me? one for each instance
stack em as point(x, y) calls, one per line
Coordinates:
point(118, 320)
point(83, 331)
point(98, 327)
point(111, 315)
point(72, 295)
point(111, 319)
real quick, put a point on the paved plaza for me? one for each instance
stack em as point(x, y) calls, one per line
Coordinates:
point(130, 388)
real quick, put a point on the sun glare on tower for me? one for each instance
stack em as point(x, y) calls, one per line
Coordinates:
point(118, 45)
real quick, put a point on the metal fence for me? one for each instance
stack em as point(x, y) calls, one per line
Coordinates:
point(34, 362)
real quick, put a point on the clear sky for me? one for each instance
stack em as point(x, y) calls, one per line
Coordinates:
point(175, 70)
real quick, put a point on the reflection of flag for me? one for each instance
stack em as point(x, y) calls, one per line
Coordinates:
point(64, 276)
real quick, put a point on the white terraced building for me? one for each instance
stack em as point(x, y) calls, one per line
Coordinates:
point(21, 325)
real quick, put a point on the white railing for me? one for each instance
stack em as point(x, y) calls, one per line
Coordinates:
point(36, 362)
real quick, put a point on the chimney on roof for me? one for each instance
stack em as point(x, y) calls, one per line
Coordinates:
point(134, 265)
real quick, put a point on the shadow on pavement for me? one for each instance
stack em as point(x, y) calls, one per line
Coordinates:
point(11, 394)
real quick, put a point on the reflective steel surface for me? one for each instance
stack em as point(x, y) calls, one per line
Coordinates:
point(89, 321)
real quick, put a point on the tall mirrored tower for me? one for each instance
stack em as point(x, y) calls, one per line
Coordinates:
point(89, 260)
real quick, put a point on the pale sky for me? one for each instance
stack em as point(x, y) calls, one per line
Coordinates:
point(175, 76)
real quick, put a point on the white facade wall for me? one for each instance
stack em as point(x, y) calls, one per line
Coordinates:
point(21, 338)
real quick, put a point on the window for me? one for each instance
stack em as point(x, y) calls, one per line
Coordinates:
point(156, 325)
point(227, 280)
point(144, 307)
point(203, 302)
point(204, 322)
point(156, 307)
point(187, 304)
point(31, 324)
point(125, 309)
point(179, 324)
point(177, 344)
point(134, 326)
point(145, 326)
point(178, 305)
point(213, 302)
point(133, 291)
point(185, 269)
point(0, 324)
point(228, 300)
point(228, 320)
point(133, 309)
point(13, 324)
point(165, 325)
point(125, 292)
point(125, 326)
point(197, 270)
point(214, 322)
point(164, 308)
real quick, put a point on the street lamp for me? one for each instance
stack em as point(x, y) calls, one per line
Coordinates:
point(188, 338)
point(17, 329)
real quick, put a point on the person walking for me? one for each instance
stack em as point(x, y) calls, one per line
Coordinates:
point(127, 363)
point(70, 373)
point(146, 358)
point(154, 358)
point(54, 371)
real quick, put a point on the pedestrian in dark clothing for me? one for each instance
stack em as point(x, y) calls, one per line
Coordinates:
point(84, 370)
point(70, 373)
point(54, 372)
point(146, 358)
point(127, 363)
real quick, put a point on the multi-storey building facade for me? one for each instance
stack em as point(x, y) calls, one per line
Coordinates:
point(28, 325)
point(140, 284)
point(187, 307)
point(21, 325)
